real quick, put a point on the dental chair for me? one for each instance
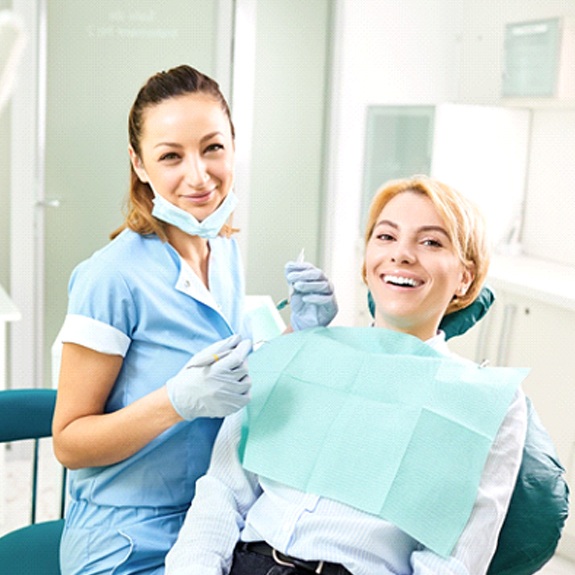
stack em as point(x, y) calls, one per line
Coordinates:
point(26, 414)
point(540, 502)
point(539, 507)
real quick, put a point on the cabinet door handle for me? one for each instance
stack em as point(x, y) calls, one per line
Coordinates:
point(53, 203)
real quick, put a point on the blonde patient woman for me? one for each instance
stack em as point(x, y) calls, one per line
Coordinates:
point(426, 255)
point(154, 341)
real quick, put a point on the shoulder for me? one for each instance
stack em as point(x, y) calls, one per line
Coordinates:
point(127, 245)
point(106, 286)
point(128, 252)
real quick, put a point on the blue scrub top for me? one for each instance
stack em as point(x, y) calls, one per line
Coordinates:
point(137, 298)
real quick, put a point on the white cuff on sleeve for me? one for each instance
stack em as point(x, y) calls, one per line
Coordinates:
point(94, 334)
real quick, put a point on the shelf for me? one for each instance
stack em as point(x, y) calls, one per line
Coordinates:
point(538, 279)
point(539, 103)
point(8, 310)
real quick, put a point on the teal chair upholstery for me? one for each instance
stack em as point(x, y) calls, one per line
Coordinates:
point(539, 506)
point(26, 414)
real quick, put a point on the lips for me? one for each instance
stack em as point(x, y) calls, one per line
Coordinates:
point(200, 198)
point(401, 281)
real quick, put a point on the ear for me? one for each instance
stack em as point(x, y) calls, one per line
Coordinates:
point(138, 165)
point(467, 276)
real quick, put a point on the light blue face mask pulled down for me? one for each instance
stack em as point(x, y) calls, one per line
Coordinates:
point(208, 228)
point(377, 420)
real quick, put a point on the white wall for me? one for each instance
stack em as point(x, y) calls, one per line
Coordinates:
point(418, 52)
point(549, 225)
point(483, 33)
point(388, 52)
point(548, 230)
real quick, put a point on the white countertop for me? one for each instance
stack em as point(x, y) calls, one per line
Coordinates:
point(542, 280)
point(8, 310)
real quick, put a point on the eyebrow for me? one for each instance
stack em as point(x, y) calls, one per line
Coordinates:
point(429, 228)
point(203, 139)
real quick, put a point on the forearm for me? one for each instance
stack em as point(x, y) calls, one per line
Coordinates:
point(216, 517)
point(104, 439)
point(209, 534)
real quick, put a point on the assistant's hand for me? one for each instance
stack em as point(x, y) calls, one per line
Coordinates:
point(312, 299)
point(215, 382)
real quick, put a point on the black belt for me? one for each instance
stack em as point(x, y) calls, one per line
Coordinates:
point(322, 567)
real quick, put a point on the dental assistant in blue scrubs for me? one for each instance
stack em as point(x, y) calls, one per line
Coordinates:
point(154, 344)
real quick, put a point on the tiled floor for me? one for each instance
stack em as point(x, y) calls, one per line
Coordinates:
point(14, 511)
point(558, 566)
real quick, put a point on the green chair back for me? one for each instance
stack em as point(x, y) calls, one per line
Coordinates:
point(26, 414)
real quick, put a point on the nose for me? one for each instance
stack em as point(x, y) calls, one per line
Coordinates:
point(402, 253)
point(196, 172)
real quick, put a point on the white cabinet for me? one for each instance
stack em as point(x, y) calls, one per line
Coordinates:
point(532, 324)
point(8, 312)
point(480, 150)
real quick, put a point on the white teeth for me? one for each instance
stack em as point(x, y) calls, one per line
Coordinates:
point(399, 280)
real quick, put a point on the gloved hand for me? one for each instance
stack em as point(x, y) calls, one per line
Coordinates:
point(215, 382)
point(312, 299)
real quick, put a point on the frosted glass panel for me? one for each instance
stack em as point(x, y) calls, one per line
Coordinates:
point(4, 179)
point(99, 54)
point(531, 58)
point(398, 144)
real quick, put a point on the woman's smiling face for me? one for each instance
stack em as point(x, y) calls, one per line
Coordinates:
point(412, 267)
point(187, 153)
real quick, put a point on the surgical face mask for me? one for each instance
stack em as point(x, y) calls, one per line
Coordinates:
point(208, 228)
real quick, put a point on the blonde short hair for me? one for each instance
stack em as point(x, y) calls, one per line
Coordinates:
point(463, 220)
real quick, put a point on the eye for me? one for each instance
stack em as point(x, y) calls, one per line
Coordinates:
point(214, 148)
point(385, 237)
point(168, 156)
point(432, 242)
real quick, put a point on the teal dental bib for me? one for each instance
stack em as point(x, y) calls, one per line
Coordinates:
point(377, 420)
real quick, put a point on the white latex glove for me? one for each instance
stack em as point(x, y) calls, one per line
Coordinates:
point(312, 299)
point(215, 382)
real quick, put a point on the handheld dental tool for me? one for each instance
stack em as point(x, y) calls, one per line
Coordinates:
point(284, 302)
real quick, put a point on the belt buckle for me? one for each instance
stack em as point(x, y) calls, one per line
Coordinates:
point(295, 564)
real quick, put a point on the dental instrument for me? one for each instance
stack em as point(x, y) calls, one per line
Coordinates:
point(284, 302)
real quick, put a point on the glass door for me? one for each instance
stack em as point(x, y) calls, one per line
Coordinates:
point(93, 57)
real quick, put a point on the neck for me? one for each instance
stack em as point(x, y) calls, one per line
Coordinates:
point(193, 249)
point(423, 332)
